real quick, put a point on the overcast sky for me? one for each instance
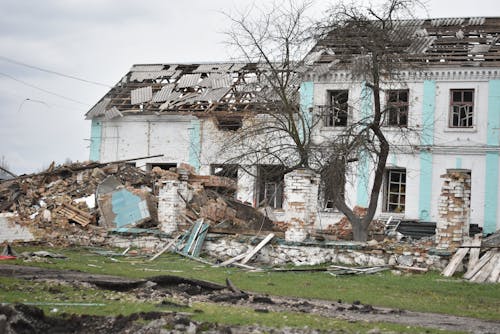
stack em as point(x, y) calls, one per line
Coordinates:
point(41, 114)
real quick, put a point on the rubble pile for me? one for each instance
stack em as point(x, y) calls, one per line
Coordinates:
point(61, 200)
point(343, 229)
point(80, 202)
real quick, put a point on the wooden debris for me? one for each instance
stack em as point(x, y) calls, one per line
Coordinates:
point(416, 269)
point(257, 248)
point(343, 270)
point(73, 213)
point(167, 247)
point(482, 262)
point(196, 238)
point(455, 261)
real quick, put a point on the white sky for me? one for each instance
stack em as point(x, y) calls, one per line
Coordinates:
point(99, 40)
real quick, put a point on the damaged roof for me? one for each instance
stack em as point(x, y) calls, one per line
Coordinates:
point(182, 88)
point(473, 41)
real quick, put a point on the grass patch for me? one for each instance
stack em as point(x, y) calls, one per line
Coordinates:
point(428, 292)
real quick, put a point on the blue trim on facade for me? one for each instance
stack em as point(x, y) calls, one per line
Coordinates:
point(492, 159)
point(458, 163)
point(427, 139)
point(195, 144)
point(306, 101)
point(95, 140)
point(363, 172)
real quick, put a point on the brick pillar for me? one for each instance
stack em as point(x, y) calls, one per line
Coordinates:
point(454, 208)
point(301, 203)
point(170, 204)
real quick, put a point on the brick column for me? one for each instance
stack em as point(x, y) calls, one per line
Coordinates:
point(170, 204)
point(454, 208)
point(301, 203)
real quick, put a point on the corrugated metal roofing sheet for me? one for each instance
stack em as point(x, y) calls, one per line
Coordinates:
point(447, 21)
point(236, 67)
point(189, 80)
point(112, 113)
point(213, 68)
point(99, 108)
point(141, 95)
point(150, 75)
point(477, 21)
point(480, 49)
point(213, 95)
point(220, 81)
point(420, 44)
point(164, 93)
point(148, 68)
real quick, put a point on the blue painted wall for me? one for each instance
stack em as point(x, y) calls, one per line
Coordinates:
point(363, 172)
point(128, 208)
point(427, 139)
point(492, 159)
point(95, 140)
point(195, 144)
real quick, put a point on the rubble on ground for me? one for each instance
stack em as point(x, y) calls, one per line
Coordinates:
point(85, 200)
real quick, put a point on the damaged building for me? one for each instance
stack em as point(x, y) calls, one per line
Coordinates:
point(450, 105)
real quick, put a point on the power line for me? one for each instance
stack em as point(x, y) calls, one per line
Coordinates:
point(44, 90)
point(53, 72)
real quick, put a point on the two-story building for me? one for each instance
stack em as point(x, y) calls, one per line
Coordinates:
point(442, 116)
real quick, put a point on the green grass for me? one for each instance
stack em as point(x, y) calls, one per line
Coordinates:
point(420, 292)
point(57, 298)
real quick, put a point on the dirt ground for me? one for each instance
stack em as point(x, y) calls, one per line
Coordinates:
point(26, 319)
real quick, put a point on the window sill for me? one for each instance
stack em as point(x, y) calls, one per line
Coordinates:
point(460, 130)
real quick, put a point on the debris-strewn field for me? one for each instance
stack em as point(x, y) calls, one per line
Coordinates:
point(93, 290)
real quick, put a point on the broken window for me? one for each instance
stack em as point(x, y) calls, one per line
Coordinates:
point(164, 166)
point(270, 182)
point(397, 107)
point(461, 108)
point(333, 180)
point(336, 112)
point(226, 170)
point(395, 190)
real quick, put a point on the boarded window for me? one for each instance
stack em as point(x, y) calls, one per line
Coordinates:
point(461, 108)
point(397, 107)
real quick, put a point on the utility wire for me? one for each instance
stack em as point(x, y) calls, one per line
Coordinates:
point(44, 90)
point(53, 72)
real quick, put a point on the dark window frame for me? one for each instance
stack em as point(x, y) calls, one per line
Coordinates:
point(336, 113)
point(395, 190)
point(461, 115)
point(270, 186)
point(397, 107)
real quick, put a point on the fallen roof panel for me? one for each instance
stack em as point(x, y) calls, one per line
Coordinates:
point(140, 95)
point(164, 93)
point(189, 80)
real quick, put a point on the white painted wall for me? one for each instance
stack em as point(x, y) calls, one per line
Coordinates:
point(137, 136)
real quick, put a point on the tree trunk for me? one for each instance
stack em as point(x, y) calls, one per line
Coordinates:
point(359, 232)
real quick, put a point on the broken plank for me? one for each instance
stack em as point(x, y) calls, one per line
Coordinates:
point(485, 272)
point(170, 244)
point(482, 261)
point(495, 273)
point(455, 262)
point(257, 248)
point(232, 260)
point(418, 269)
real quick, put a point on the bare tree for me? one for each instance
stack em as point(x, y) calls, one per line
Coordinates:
point(369, 44)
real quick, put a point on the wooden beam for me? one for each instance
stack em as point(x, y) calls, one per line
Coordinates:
point(455, 261)
point(170, 244)
point(257, 248)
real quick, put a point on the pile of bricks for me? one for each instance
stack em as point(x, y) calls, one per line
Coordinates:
point(454, 208)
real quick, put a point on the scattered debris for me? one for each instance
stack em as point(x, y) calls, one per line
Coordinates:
point(341, 270)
